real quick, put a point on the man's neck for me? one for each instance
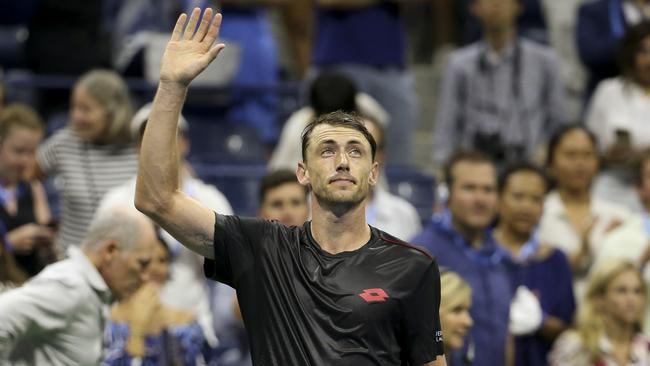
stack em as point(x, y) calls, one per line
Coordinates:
point(574, 197)
point(473, 236)
point(499, 40)
point(339, 233)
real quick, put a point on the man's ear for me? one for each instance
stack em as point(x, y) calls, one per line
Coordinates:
point(374, 174)
point(302, 174)
point(108, 250)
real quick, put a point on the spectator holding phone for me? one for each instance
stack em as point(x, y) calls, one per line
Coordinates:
point(618, 115)
point(24, 211)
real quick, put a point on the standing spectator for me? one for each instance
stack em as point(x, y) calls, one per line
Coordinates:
point(92, 154)
point(542, 269)
point(499, 95)
point(608, 321)
point(455, 319)
point(144, 329)
point(367, 41)
point(632, 239)
point(460, 239)
point(601, 25)
point(574, 220)
point(58, 317)
point(618, 116)
point(24, 209)
point(186, 288)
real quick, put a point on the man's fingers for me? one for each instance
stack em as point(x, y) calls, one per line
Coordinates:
point(213, 32)
point(214, 51)
point(203, 27)
point(191, 25)
point(178, 28)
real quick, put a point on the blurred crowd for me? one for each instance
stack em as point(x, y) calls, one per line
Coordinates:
point(540, 146)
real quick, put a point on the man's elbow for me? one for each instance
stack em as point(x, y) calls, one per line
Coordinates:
point(150, 205)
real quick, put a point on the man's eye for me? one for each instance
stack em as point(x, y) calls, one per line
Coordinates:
point(355, 152)
point(327, 152)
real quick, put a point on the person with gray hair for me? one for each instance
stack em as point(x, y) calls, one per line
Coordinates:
point(58, 317)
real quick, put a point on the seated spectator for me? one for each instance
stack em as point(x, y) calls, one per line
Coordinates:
point(618, 116)
point(574, 220)
point(608, 324)
point(542, 269)
point(185, 289)
point(632, 239)
point(10, 274)
point(92, 154)
point(601, 25)
point(366, 40)
point(455, 319)
point(281, 198)
point(500, 95)
point(461, 240)
point(386, 211)
point(58, 317)
point(143, 329)
point(329, 92)
point(24, 209)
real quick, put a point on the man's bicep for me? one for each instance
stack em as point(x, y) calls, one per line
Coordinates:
point(189, 222)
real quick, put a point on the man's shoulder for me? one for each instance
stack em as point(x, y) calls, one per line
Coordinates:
point(403, 249)
point(464, 55)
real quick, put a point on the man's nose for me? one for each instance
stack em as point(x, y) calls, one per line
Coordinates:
point(343, 163)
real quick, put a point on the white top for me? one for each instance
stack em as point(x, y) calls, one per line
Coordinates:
point(288, 151)
point(618, 104)
point(393, 214)
point(568, 350)
point(57, 318)
point(84, 173)
point(629, 241)
point(186, 288)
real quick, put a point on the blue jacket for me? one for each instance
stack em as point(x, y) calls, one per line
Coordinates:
point(487, 274)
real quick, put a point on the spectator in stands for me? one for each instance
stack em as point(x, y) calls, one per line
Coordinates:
point(601, 25)
point(329, 92)
point(460, 240)
point(92, 154)
point(542, 269)
point(618, 116)
point(367, 42)
point(186, 287)
point(574, 220)
point(386, 211)
point(499, 95)
point(607, 330)
point(282, 198)
point(142, 328)
point(58, 317)
point(455, 319)
point(24, 210)
point(632, 239)
point(10, 274)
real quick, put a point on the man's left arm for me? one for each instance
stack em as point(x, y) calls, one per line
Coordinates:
point(35, 308)
point(421, 320)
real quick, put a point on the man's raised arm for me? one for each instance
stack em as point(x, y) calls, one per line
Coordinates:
point(158, 193)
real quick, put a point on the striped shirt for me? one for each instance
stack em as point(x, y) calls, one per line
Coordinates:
point(518, 97)
point(84, 173)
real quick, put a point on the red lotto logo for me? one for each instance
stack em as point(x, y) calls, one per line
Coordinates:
point(374, 295)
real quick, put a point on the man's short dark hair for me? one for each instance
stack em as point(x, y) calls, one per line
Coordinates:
point(521, 167)
point(332, 91)
point(338, 119)
point(275, 179)
point(464, 156)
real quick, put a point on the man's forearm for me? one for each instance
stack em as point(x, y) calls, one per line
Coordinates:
point(158, 173)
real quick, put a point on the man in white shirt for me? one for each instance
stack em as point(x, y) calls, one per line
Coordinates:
point(58, 317)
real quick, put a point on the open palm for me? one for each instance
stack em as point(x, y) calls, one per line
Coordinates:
point(188, 52)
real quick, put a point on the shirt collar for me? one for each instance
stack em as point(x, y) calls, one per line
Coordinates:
point(494, 59)
point(637, 351)
point(90, 272)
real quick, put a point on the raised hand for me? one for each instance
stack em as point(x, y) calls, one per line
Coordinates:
point(188, 52)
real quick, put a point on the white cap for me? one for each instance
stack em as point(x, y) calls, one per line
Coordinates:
point(142, 115)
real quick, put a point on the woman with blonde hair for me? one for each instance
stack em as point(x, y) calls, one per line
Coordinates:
point(93, 153)
point(608, 326)
point(455, 320)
